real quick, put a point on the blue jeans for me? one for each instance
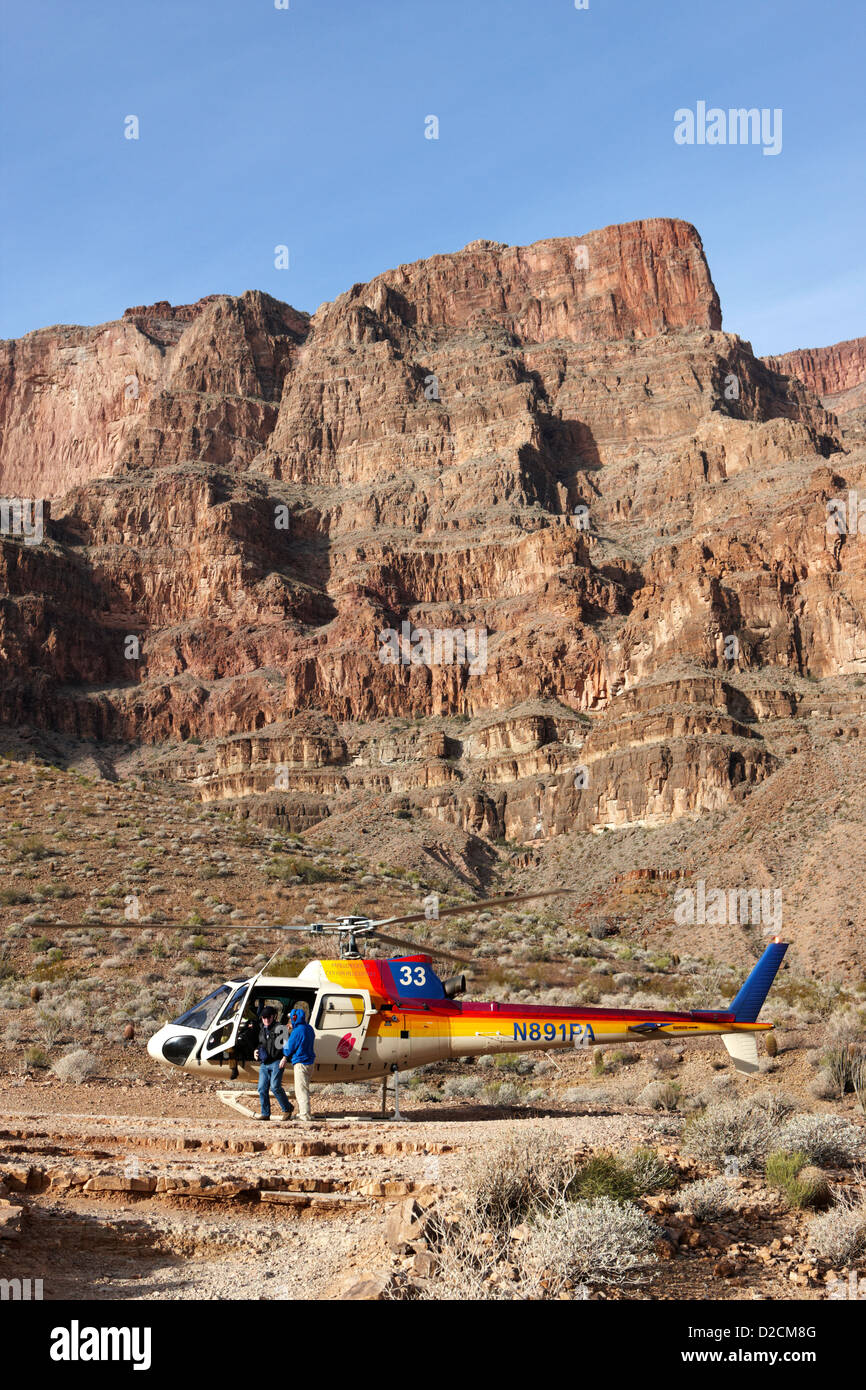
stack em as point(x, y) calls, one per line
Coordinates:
point(270, 1077)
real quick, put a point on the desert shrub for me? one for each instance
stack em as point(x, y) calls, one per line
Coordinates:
point(506, 1063)
point(466, 1262)
point(801, 1184)
point(708, 1199)
point(822, 1086)
point(463, 1086)
point(840, 1062)
point(599, 930)
point(825, 1139)
point(744, 1131)
point(839, 1235)
point(843, 1028)
point(293, 866)
point(782, 1167)
point(11, 897)
point(603, 1241)
point(649, 1170)
point(515, 1174)
point(49, 1027)
point(31, 847)
point(36, 1056)
point(585, 1095)
point(75, 1066)
point(505, 1093)
point(660, 1095)
point(604, 1175)
point(778, 1105)
point(844, 1048)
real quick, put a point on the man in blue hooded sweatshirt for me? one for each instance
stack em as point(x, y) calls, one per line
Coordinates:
point(300, 1051)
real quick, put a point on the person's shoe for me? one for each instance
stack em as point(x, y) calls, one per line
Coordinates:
point(287, 1115)
point(261, 1117)
point(306, 1119)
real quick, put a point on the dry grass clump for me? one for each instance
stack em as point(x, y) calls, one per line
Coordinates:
point(552, 1256)
point(734, 1129)
point(515, 1174)
point(828, 1140)
point(650, 1172)
point(75, 1066)
point(839, 1235)
point(709, 1199)
point(605, 1241)
point(660, 1095)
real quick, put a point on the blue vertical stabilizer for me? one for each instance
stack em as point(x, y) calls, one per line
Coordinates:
point(747, 1004)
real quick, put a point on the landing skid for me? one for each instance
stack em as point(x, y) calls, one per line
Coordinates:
point(232, 1099)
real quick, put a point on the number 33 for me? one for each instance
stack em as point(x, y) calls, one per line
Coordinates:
point(406, 975)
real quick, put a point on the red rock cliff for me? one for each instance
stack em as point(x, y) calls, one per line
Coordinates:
point(837, 374)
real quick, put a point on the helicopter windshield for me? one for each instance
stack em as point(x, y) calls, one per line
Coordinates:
point(202, 1015)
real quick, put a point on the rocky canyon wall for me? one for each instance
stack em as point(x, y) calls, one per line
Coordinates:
point(265, 525)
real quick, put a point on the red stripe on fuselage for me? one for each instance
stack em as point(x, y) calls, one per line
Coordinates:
point(451, 1008)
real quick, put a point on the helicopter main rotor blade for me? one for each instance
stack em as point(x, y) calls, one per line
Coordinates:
point(225, 927)
point(427, 950)
point(471, 907)
point(363, 927)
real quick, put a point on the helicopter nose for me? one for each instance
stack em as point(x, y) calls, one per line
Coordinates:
point(168, 1045)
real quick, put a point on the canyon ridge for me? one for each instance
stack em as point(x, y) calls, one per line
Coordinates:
point(644, 536)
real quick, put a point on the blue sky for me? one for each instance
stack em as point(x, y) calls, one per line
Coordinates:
point(305, 127)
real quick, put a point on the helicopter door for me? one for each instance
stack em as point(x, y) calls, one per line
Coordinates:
point(341, 1024)
point(223, 1036)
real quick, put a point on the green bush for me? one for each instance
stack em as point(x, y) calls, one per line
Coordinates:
point(803, 1186)
point(284, 867)
point(604, 1175)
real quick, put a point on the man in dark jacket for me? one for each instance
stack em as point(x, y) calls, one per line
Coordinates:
point(300, 1051)
point(270, 1067)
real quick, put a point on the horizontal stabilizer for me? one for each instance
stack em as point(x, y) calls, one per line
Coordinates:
point(743, 1049)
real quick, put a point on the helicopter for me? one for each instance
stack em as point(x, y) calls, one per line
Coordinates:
point(375, 1016)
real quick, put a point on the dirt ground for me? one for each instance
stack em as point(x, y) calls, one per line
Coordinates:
point(158, 1191)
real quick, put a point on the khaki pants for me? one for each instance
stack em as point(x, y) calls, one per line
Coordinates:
point(302, 1089)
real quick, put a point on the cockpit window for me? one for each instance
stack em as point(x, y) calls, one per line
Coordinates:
point(203, 1014)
